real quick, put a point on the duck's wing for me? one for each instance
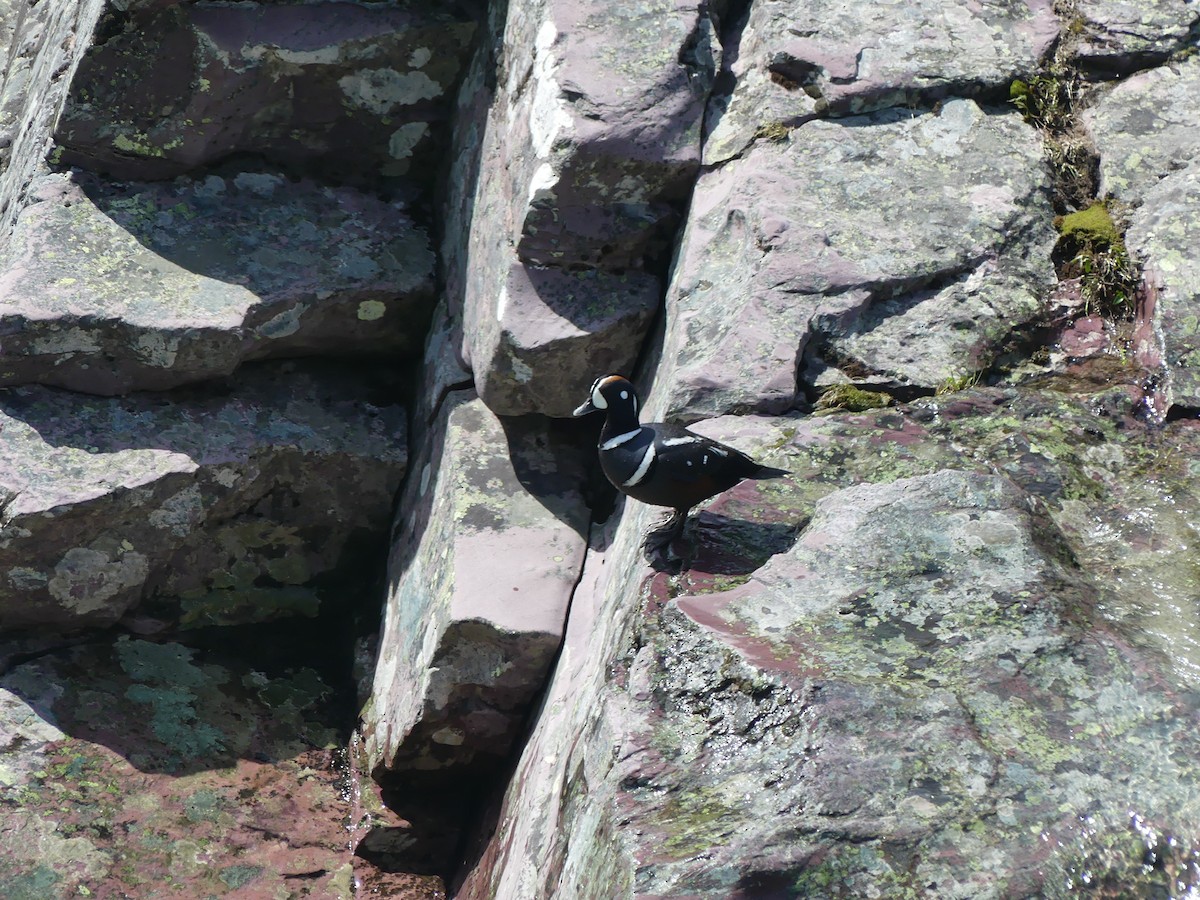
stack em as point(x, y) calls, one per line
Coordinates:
point(689, 456)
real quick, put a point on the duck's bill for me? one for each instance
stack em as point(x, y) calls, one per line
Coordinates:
point(584, 408)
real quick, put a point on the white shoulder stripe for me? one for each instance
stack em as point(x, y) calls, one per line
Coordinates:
point(620, 439)
point(675, 442)
point(642, 468)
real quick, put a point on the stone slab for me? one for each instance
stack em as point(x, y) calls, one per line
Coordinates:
point(111, 287)
point(489, 542)
point(208, 508)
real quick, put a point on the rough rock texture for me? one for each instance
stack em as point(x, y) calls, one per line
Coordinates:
point(45, 43)
point(902, 247)
point(1145, 128)
point(489, 543)
point(585, 154)
point(116, 287)
point(1150, 158)
point(924, 693)
point(1162, 234)
point(139, 769)
point(215, 508)
point(166, 88)
point(793, 61)
point(1120, 36)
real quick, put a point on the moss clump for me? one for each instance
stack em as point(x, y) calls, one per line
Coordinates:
point(1044, 100)
point(776, 132)
point(956, 383)
point(1091, 248)
point(852, 399)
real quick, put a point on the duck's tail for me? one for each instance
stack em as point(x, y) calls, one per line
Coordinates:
point(769, 472)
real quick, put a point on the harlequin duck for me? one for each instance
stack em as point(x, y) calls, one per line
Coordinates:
point(662, 464)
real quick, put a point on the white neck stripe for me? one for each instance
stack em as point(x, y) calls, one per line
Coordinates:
point(620, 439)
point(642, 469)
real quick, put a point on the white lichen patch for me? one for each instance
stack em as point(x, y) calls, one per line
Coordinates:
point(381, 90)
point(283, 324)
point(85, 580)
point(156, 348)
point(179, 513)
point(419, 57)
point(405, 138)
point(65, 340)
point(23, 578)
point(322, 56)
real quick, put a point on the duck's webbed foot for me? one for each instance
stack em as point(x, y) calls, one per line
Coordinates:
point(657, 545)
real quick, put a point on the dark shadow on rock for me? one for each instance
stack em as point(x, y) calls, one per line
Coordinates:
point(720, 545)
point(548, 462)
point(200, 700)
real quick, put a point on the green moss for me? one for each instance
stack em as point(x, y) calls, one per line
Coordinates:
point(776, 132)
point(1093, 226)
point(956, 383)
point(851, 398)
point(697, 821)
point(1094, 247)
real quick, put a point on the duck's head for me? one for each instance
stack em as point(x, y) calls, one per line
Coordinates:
point(609, 392)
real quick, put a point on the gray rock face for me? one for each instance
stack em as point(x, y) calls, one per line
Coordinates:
point(1150, 158)
point(1145, 128)
point(901, 245)
point(917, 696)
point(117, 287)
point(45, 42)
point(1162, 232)
point(217, 509)
point(488, 550)
point(588, 147)
point(795, 61)
point(1119, 35)
point(170, 87)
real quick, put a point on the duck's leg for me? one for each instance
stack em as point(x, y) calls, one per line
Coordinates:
point(659, 539)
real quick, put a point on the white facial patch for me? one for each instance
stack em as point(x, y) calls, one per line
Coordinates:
point(598, 400)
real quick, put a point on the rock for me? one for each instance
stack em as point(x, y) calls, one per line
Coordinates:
point(1145, 129)
point(795, 61)
point(1120, 36)
point(132, 766)
point(116, 287)
point(488, 549)
point(838, 721)
point(1161, 234)
point(44, 43)
point(902, 248)
point(585, 155)
point(165, 89)
point(213, 508)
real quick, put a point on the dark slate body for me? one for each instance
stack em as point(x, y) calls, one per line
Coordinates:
point(662, 464)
